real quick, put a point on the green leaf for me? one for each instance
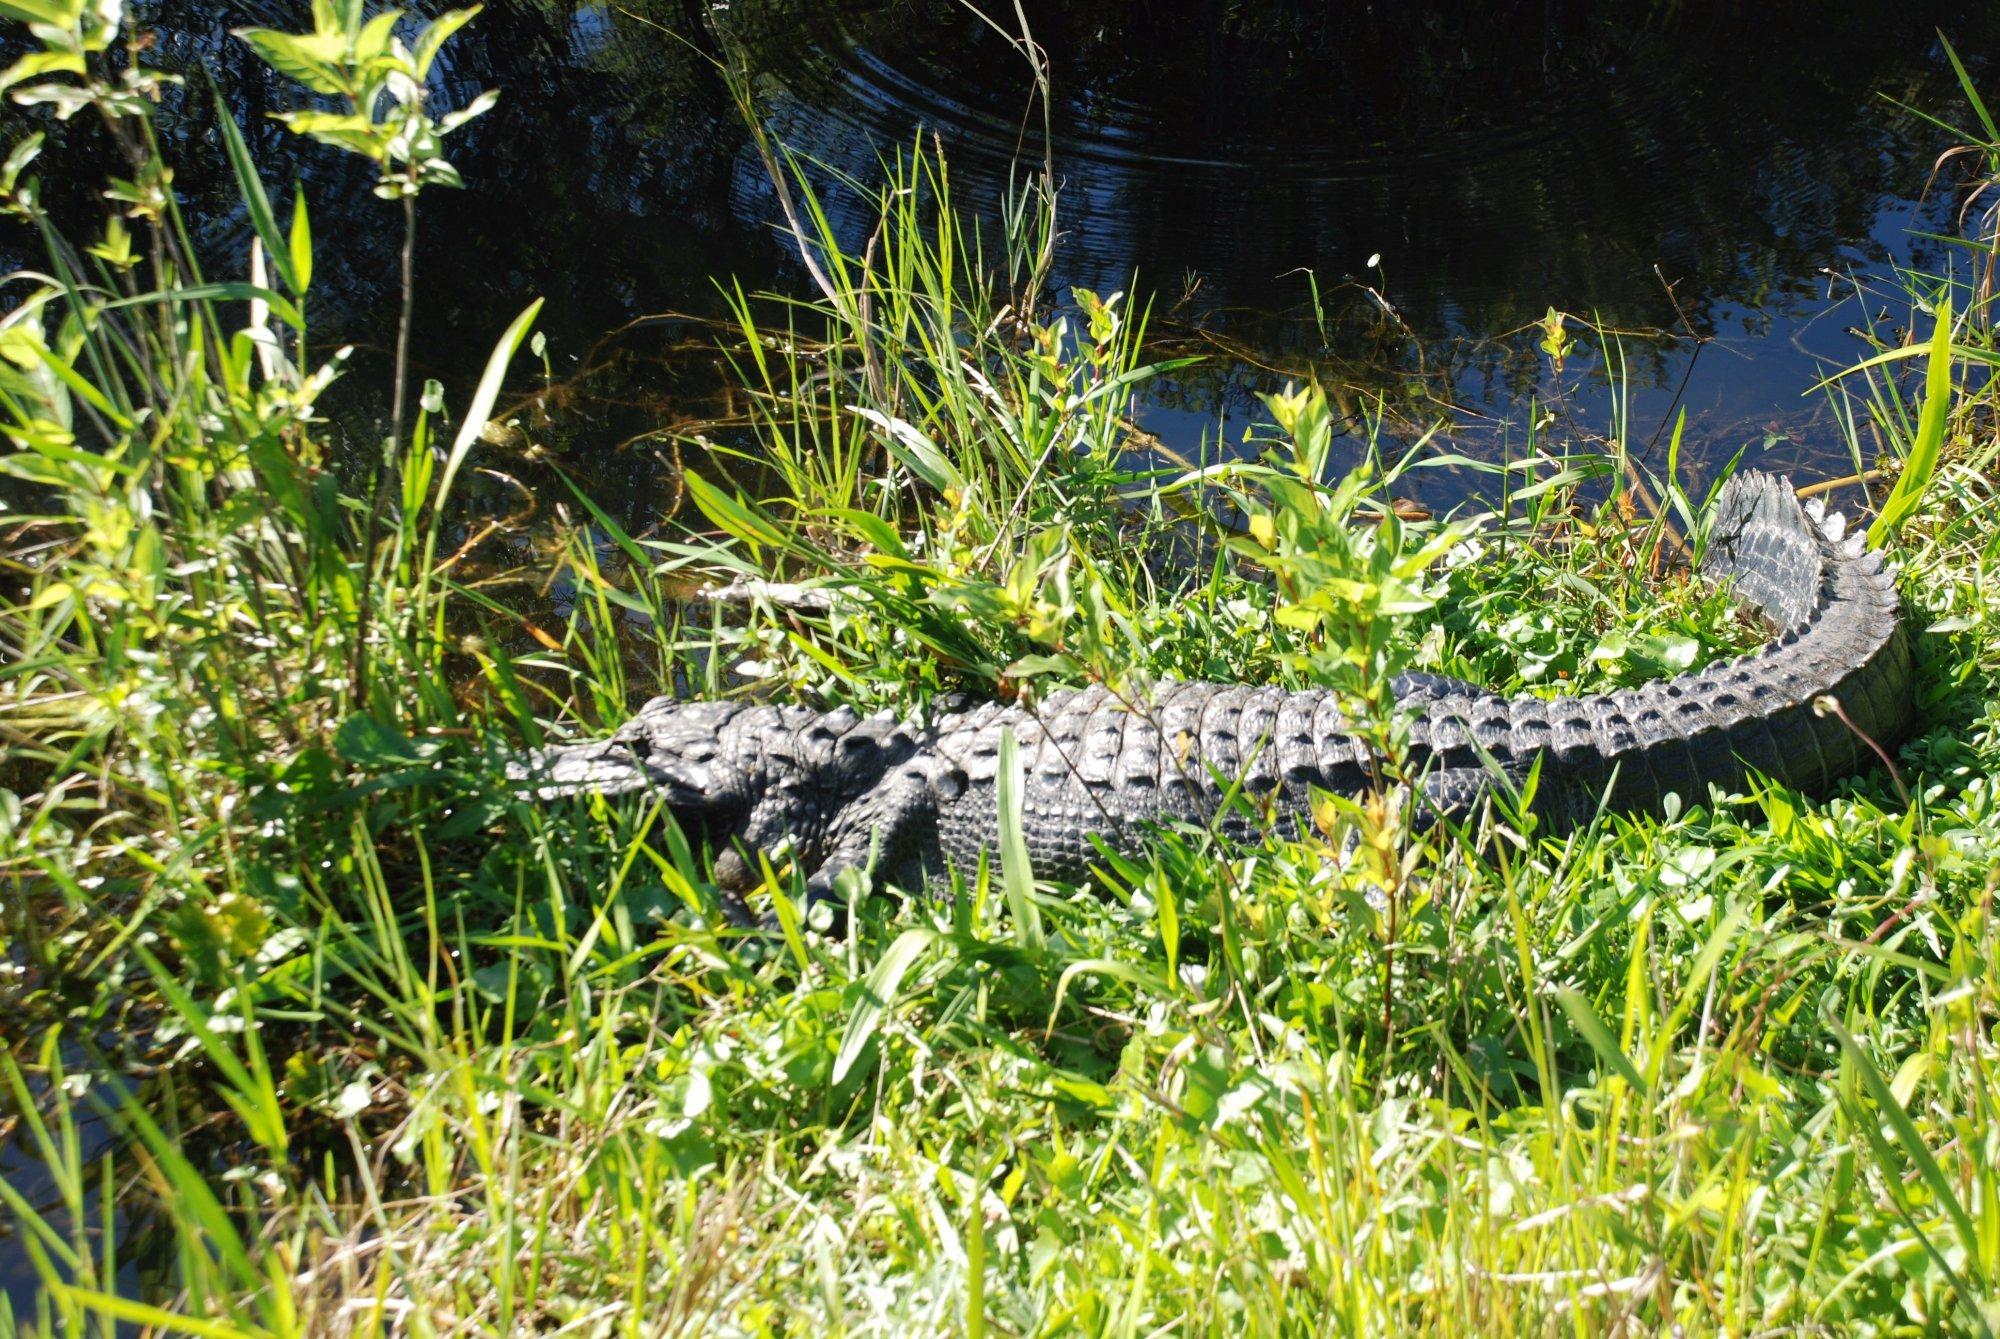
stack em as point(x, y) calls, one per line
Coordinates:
point(1601, 1041)
point(372, 42)
point(1169, 917)
point(918, 453)
point(367, 743)
point(609, 524)
point(1149, 982)
point(299, 245)
point(100, 20)
point(54, 13)
point(479, 106)
point(1676, 651)
point(434, 35)
point(336, 18)
point(65, 99)
point(481, 409)
point(734, 515)
point(251, 187)
point(878, 992)
point(69, 377)
point(1885, 1107)
point(356, 134)
point(17, 161)
point(1963, 352)
point(1883, 1102)
point(280, 306)
point(1017, 878)
point(433, 172)
point(1971, 92)
point(1133, 375)
point(312, 59)
point(1908, 1075)
point(144, 1314)
point(253, 1100)
point(878, 532)
point(1922, 462)
point(38, 63)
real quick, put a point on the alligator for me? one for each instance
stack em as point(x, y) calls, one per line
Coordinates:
point(912, 800)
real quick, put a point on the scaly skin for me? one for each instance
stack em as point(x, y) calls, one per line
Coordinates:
point(840, 790)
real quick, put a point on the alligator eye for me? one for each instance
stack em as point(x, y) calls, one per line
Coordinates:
point(950, 784)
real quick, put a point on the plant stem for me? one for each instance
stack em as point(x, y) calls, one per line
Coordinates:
point(403, 322)
point(389, 476)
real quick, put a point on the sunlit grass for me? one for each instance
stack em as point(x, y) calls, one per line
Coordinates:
point(315, 1027)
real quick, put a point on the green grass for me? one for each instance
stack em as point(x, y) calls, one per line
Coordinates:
point(382, 1049)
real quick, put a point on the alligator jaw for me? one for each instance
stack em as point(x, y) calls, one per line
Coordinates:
point(603, 767)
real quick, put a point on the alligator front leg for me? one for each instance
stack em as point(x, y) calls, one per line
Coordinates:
point(885, 832)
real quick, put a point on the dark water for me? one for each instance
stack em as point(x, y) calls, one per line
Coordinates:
point(1705, 177)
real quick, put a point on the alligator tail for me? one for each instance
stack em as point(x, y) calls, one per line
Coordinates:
point(1771, 552)
point(1801, 567)
point(1832, 687)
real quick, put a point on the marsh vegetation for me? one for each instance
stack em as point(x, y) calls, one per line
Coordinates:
point(314, 1025)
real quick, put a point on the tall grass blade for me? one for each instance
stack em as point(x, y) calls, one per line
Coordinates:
point(1884, 1106)
point(480, 411)
point(1972, 97)
point(1016, 876)
point(1920, 464)
point(158, 1320)
point(251, 188)
point(1601, 1041)
point(878, 994)
point(1887, 1108)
